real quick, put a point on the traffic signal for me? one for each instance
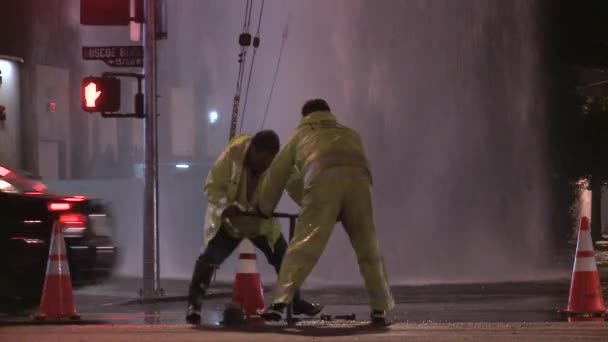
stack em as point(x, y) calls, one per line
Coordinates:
point(100, 94)
point(105, 12)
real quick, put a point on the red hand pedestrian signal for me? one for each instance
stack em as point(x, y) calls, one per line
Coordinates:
point(100, 94)
point(91, 94)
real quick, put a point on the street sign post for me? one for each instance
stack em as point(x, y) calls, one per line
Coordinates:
point(116, 56)
point(151, 267)
point(112, 12)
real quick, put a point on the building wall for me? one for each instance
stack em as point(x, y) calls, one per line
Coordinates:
point(183, 128)
point(51, 107)
point(10, 99)
point(45, 34)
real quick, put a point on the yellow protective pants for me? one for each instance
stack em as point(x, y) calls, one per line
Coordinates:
point(343, 193)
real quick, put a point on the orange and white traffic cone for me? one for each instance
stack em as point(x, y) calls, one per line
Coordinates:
point(585, 291)
point(57, 297)
point(247, 291)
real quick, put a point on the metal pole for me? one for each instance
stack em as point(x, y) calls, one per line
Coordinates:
point(150, 271)
point(157, 289)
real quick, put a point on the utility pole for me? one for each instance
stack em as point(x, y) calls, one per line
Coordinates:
point(151, 281)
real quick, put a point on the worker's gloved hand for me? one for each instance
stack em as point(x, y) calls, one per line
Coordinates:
point(231, 211)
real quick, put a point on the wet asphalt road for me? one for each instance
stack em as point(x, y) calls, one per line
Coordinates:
point(117, 303)
point(522, 311)
point(487, 332)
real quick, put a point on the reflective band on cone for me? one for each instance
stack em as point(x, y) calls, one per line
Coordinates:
point(585, 291)
point(247, 263)
point(585, 265)
point(585, 243)
point(56, 267)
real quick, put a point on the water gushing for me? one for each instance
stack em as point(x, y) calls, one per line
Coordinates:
point(448, 98)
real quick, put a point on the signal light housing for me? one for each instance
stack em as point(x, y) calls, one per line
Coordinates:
point(100, 94)
point(105, 12)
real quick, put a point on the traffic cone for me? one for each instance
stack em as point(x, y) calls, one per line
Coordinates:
point(247, 291)
point(57, 298)
point(585, 291)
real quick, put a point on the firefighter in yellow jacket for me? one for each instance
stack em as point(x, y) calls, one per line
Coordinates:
point(231, 189)
point(336, 187)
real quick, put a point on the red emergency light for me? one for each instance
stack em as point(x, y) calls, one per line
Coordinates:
point(73, 219)
point(39, 187)
point(75, 199)
point(73, 224)
point(59, 206)
point(4, 171)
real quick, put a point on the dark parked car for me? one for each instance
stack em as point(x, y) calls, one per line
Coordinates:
point(27, 215)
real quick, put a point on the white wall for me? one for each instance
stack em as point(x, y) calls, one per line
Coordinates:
point(51, 85)
point(10, 98)
point(183, 125)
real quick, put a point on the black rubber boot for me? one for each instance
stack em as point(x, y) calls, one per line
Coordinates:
point(302, 307)
point(201, 278)
point(378, 318)
point(274, 312)
point(193, 315)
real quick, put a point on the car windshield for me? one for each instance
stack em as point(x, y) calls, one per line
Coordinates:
point(11, 181)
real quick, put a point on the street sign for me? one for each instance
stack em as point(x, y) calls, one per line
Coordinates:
point(116, 56)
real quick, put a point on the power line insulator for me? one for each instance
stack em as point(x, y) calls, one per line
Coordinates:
point(245, 39)
point(256, 42)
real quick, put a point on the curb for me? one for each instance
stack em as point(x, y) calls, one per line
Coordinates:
point(30, 322)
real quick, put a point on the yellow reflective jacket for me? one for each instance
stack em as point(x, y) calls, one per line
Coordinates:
point(318, 143)
point(222, 187)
